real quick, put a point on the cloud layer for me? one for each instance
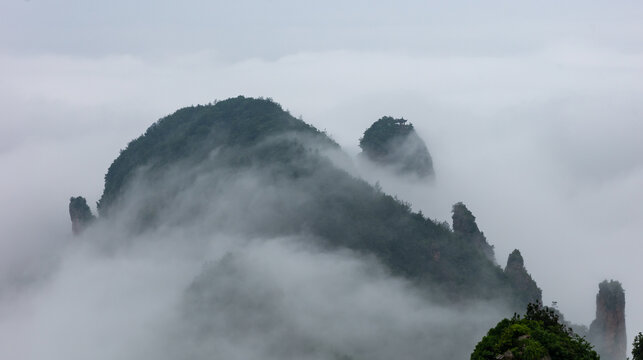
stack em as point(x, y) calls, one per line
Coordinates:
point(532, 115)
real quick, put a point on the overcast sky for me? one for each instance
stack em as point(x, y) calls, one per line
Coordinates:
point(532, 111)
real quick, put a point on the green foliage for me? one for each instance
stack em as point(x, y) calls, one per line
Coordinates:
point(537, 335)
point(637, 347)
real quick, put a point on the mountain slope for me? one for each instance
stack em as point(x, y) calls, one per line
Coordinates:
point(261, 172)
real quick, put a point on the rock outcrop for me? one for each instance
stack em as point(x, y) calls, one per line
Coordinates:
point(464, 224)
point(607, 331)
point(80, 214)
point(524, 285)
point(395, 143)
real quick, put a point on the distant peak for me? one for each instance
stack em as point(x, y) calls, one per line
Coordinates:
point(515, 259)
point(611, 286)
point(464, 224)
point(394, 143)
point(463, 219)
point(80, 214)
point(524, 285)
point(607, 331)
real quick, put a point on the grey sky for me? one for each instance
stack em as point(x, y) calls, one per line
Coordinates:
point(242, 29)
point(532, 112)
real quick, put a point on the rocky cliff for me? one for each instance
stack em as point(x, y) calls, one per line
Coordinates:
point(80, 213)
point(520, 280)
point(607, 331)
point(464, 225)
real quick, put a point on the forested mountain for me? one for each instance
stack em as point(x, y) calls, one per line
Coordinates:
point(394, 143)
point(276, 176)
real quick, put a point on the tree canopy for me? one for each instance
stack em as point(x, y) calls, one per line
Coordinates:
point(637, 347)
point(540, 334)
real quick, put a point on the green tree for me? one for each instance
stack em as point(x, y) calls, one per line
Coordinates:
point(538, 335)
point(637, 347)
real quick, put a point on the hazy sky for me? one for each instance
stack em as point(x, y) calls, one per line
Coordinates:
point(532, 111)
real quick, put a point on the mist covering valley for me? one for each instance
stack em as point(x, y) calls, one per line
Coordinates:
point(256, 249)
point(234, 230)
point(219, 251)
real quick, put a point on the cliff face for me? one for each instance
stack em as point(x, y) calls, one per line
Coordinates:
point(521, 281)
point(607, 331)
point(464, 224)
point(80, 214)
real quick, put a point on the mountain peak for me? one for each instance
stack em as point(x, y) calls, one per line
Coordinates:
point(515, 260)
point(80, 214)
point(395, 143)
point(523, 284)
point(192, 133)
point(607, 331)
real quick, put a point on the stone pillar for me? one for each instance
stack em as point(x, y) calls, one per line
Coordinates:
point(607, 331)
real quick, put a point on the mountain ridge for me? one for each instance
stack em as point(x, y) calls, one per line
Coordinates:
point(256, 138)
